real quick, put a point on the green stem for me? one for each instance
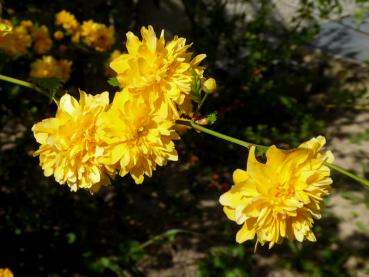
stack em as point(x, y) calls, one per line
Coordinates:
point(202, 102)
point(348, 174)
point(23, 83)
point(218, 135)
point(248, 145)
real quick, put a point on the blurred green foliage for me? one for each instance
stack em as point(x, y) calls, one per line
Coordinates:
point(228, 261)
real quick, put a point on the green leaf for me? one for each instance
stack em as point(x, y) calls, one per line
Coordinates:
point(15, 20)
point(196, 87)
point(52, 85)
point(114, 82)
point(212, 117)
point(132, 251)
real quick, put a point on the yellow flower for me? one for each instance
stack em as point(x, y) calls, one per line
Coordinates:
point(158, 69)
point(69, 149)
point(58, 35)
point(42, 41)
point(137, 137)
point(49, 67)
point(281, 198)
point(67, 20)
point(16, 42)
point(5, 272)
point(98, 35)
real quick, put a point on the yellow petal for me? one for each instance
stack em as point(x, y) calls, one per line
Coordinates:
point(245, 234)
point(68, 104)
point(240, 176)
point(230, 213)
point(230, 199)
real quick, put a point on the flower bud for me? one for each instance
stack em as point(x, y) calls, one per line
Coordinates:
point(58, 35)
point(209, 86)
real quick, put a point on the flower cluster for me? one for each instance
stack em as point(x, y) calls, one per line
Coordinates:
point(280, 198)
point(68, 21)
point(93, 34)
point(16, 41)
point(97, 35)
point(42, 41)
point(20, 38)
point(90, 140)
point(49, 67)
point(33, 41)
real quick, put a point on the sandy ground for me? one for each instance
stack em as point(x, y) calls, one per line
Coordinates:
point(346, 200)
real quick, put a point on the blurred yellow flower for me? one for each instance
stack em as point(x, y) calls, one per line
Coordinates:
point(5, 272)
point(49, 67)
point(76, 36)
point(138, 138)
point(281, 198)
point(5, 27)
point(42, 42)
point(158, 69)
point(10, 11)
point(67, 20)
point(16, 42)
point(58, 35)
point(69, 149)
point(97, 35)
point(27, 24)
point(65, 67)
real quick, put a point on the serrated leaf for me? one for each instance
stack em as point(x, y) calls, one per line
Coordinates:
point(212, 117)
point(47, 83)
point(114, 82)
point(52, 85)
point(196, 98)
